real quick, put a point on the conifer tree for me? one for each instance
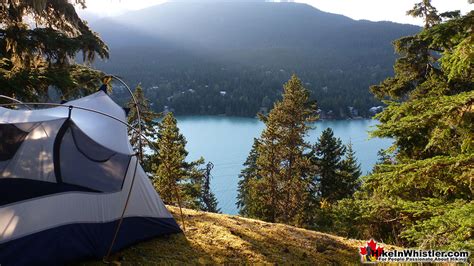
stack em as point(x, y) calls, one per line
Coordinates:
point(149, 124)
point(425, 10)
point(327, 155)
point(208, 199)
point(282, 187)
point(423, 197)
point(39, 41)
point(350, 168)
point(336, 179)
point(245, 202)
point(174, 178)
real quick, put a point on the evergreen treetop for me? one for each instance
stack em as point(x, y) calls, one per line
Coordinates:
point(38, 43)
point(351, 169)
point(244, 203)
point(208, 199)
point(423, 195)
point(275, 183)
point(148, 119)
point(173, 177)
point(337, 174)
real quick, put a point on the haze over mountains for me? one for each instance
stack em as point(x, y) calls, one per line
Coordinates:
point(233, 57)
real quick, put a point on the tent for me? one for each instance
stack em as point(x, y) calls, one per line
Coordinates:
point(68, 178)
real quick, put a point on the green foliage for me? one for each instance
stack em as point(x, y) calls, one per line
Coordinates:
point(208, 199)
point(149, 127)
point(421, 193)
point(245, 204)
point(337, 177)
point(173, 177)
point(446, 225)
point(351, 171)
point(422, 132)
point(425, 10)
point(346, 216)
point(426, 203)
point(275, 185)
point(38, 43)
point(148, 124)
point(286, 179)
point(459, 62)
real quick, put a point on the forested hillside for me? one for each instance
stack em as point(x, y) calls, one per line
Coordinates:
point(232, 58)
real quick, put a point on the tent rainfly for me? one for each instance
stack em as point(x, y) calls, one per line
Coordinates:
point(65, 176)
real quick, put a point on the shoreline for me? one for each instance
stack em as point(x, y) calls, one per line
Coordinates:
point(256, 117)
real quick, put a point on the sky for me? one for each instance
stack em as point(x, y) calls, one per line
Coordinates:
point(374, 10)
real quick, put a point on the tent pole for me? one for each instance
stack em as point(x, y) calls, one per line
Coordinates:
point(15, 100)
point(83, 109)
point(180, 207)
point(139, 157)
point(135, 102)
point(106, 258)
point(140, 140)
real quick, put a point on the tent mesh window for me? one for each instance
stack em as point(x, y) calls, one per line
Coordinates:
point(86, 163)
point(26, 150)
point(11, 139)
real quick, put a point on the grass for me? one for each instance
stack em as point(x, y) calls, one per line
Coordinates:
point(217, 239)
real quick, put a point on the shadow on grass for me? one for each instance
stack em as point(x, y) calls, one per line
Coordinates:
point(168, 249)
point(233, 239)
point(223, 239)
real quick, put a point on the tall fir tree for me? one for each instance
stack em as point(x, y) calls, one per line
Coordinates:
point(425, 10)
point(336, 179)
point(350, 168)
point(327, 154)
point(281, 189)
point(423, 197)
point(245, 203)
point(208, 199)
point(149, 126)
point(173, 177)
point(31, 62)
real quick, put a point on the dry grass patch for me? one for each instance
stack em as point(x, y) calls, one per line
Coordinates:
point(217, 239)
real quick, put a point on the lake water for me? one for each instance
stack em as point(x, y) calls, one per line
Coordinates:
point(226, 142)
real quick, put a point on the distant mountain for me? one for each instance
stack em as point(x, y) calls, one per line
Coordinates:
point(187, 53)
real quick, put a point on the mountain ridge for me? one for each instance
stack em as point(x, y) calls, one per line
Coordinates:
point(249, 50)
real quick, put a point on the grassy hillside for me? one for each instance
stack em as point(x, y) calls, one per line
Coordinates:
point(216, 238)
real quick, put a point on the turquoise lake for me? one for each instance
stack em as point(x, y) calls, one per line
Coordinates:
point(226, 142)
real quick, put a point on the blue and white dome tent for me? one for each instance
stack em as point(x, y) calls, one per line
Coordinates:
point(71, 185)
